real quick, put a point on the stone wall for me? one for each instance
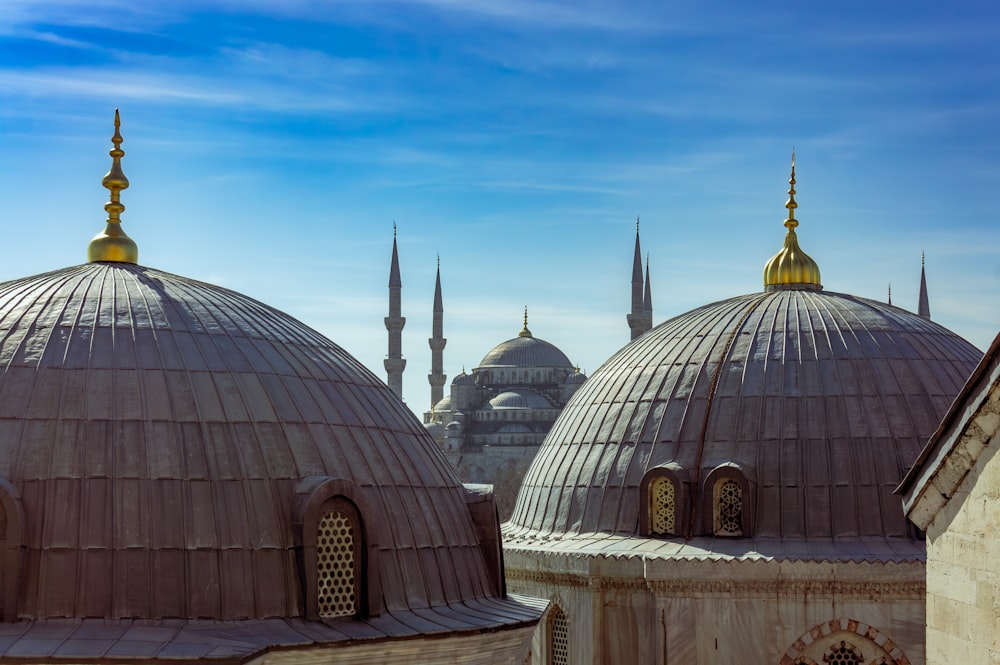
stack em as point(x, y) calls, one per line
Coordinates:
point(963, 557)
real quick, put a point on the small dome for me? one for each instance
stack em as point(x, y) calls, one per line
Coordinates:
point(520, 399)
point(525, 352)
point(444, 405)
point(462, 379)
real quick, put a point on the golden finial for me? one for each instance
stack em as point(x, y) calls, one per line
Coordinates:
point(791, 222)
point(791, 268)
point(524, 331)
point(113, 245)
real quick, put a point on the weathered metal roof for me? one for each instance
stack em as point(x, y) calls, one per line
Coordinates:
point(823, 399)
point(525, 352)
point(157, 428)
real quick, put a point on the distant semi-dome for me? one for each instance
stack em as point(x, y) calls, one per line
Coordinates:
point(520, 398)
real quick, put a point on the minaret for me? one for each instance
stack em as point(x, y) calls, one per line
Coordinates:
point(437, 341)
point(394, 364)
point(890, 293)
point(637, 321)
point(923, 305)
point(647, 300)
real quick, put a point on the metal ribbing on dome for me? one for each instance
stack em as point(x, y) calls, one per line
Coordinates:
point(825, 398)
point(525, 352)
point(157, 428)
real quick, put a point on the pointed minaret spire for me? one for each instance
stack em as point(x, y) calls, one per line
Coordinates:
point(113, 245)
point(890, 293)
point(647, 298)
point(394, 363)
point(437, 341)
point(637, 320)
point(923, 304)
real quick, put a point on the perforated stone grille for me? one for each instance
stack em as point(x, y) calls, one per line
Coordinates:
point(729, 511)
point(335, 574)
point(558, 637)
point(663, 506)
point(842, 654)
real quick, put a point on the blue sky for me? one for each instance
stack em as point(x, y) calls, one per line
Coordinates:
point(270, 145)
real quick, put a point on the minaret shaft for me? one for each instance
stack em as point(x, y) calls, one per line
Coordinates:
point(437, 343)
point(394, 363)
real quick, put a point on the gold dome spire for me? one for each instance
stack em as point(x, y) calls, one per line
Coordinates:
point(524, 331)
point(112, 244)
point(791, 268)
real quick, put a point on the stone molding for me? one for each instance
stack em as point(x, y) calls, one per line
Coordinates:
point(862, 589)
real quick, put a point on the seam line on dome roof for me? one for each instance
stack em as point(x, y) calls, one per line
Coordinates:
point(711, 400)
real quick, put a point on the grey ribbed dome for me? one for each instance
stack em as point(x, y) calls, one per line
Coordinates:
point(158, 429)
point(525, 352)
point(520, 399)
point(823, 399)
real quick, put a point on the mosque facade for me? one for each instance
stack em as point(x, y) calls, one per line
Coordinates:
point(722, 489)
point(494, 418)
point(187, 474)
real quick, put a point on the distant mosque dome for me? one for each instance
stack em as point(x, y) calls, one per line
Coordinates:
point(173, 450)
point(525, 350)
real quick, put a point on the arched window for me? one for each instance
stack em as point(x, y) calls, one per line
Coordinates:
point(662, 507)
point(338, 565)
point(728, 503)
point(558, 642)
point(339, 556)
point(663, 501)
point(843, 653)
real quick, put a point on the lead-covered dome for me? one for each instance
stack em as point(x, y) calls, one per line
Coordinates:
point(817, 401)
point(525, 352)
point(160, 431)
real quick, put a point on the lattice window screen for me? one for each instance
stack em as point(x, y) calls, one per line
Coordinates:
point(336, 567)
point(662, 506)
point(558, 637)
point(843, 654)
point(729, 508)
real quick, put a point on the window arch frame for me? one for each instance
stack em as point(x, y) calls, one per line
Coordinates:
point(745, 479)
point(317, 496)
point(678, 476)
